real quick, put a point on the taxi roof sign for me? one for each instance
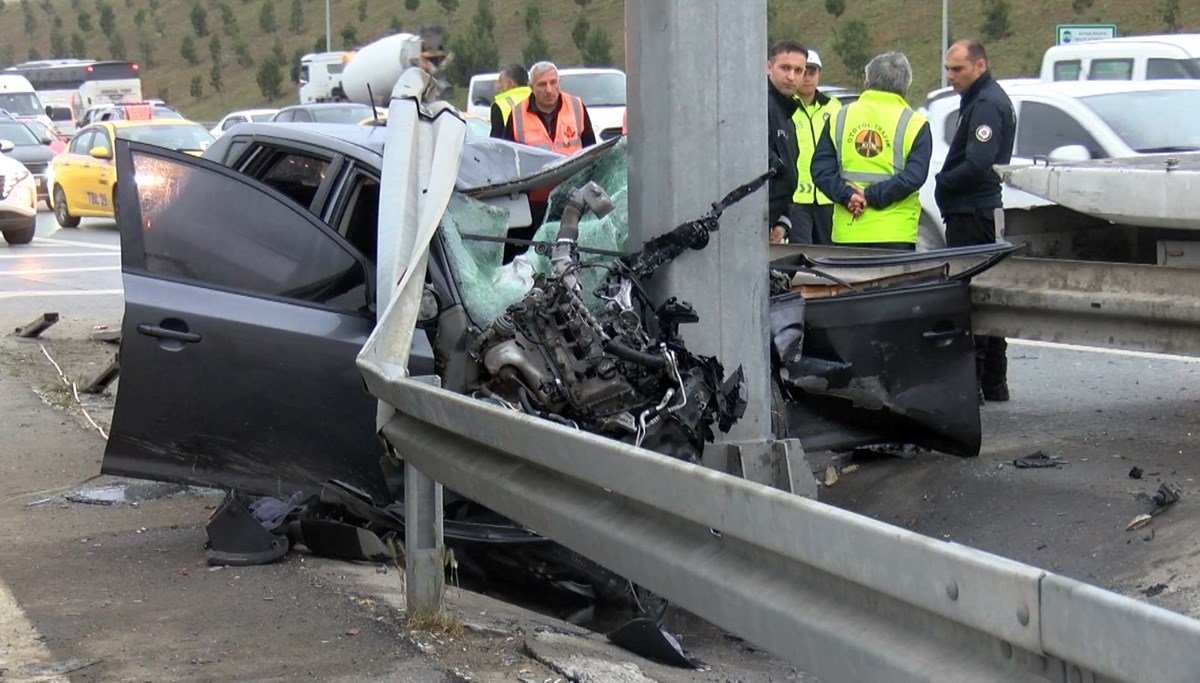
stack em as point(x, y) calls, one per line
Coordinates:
point(1068, 34)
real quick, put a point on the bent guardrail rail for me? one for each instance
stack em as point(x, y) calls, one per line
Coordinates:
point(843, 596)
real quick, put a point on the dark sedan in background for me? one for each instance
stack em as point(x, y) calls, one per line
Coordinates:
point(29, 149)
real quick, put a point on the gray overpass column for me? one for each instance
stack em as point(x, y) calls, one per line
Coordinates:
point(698, 129)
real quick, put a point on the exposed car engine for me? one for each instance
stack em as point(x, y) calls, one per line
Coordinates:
point(623, 372)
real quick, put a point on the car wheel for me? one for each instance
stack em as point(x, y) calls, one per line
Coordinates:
point(21, 235)
point(61, 213)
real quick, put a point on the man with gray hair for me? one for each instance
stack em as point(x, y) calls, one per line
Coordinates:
point(550, 119)
point(872, 160)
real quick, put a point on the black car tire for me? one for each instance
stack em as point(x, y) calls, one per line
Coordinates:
point(21, 235)
point(61, 213)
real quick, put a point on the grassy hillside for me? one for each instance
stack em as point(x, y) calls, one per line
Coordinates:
point(153, 32)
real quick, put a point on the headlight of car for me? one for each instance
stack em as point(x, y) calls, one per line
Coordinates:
point(12, 181)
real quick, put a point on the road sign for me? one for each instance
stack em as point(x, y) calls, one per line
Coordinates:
point(1082, 33)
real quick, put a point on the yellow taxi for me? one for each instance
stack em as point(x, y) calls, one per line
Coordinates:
point(82, 180)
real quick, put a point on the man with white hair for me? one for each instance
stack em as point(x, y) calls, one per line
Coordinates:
point(549, 118)
point(873, 159)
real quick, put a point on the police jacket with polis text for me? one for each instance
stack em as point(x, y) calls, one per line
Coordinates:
point(782, 151)
point(987, 127)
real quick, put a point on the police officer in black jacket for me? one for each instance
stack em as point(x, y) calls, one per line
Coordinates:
point(968, 190)
point(786, 62)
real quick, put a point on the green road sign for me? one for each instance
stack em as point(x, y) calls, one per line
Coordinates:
point(1067, 34)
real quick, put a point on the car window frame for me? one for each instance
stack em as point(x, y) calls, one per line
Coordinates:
point(338, 206)
point(80, 137)
point(1126, 62)
point(133, 258)
point(260, 150)
point(1096, 149)
point(1063, 64)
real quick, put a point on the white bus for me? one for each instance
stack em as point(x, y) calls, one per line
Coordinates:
point(78, 84)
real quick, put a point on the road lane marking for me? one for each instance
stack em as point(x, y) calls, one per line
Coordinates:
point(47, 271)
point(22, 643)
point(1110, 352)
point(73, 243)
point(60, 292)
point(34, 255)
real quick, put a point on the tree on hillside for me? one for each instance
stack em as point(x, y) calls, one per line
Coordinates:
point(579, 32)
point(362, 11)
point(7, 55)
point(215, 79)
point(852, 43)
point(58, 22)
point(1170, 15)
point(536, 48)
point(296, 23)
point(199, 17)
point(349, 36)
point(139, 18)
point(412, 5)
point(835, 7)
point(58, 43)
point(995, 19)
point(597, 48)
point(31, 21)
point(196, 89)
point(294, 71)
point(449, 6)
point(396, 25)
point(1080, 5)
point(116, 47)
point(78, 46)
point(266, 17)
point(278, 54)
point(269, 79)
point(228, 19)
point(146, 48)
point(83, 20)
point(33, 54)
point(242, 52)
point(533, 15)
point(319, 45)
point(108, 18)
point(187, 50)
point(475, 50)
point(214, 49)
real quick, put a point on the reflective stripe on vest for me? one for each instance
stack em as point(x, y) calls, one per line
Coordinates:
point(875, 117)
point(509, 99)
point(528, 128)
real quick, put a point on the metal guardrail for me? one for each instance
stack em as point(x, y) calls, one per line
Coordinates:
point(843, 596)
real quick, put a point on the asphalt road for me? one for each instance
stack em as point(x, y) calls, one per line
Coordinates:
point(1102, 413)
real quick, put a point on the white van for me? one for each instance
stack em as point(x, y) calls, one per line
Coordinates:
point(1132, 58)
point(21, 101)
point(602, 92)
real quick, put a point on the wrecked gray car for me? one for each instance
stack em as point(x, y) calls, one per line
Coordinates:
point(244, 316)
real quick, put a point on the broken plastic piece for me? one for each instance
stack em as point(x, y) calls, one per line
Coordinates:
point(644, 638)
point(1139, 522)
point(37, 325)
point(340, 540)
point(236, 538)
point(1037, 459)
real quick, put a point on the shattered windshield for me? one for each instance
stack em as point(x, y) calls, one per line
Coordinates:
point(1150, 121)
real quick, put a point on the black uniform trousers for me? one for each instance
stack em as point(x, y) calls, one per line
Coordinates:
point(991, 353)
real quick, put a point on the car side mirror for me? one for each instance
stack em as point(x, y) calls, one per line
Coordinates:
point(430, 309)
point(47, 140)
point(50, 111)
point(1070, 153)
point(7, 146)
point(100, 153)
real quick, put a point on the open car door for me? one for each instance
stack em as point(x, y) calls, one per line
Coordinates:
point(243, 316)
point(886, 359)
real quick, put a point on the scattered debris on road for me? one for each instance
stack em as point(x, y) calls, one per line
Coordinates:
point(36, 326)
point(1135, 473)
point(1038, 459)
point(831, 475)
point(1139, 522)
point(1156, 589)
point(1166, 496)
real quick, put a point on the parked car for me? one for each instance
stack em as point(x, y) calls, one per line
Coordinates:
point(1070, 121)
point(233, 118)
point(18, 198)
point(130, 111)
point(57, 142)
point(1126, 58)
point(30, 149)
point(83, 181)
point(326, 112)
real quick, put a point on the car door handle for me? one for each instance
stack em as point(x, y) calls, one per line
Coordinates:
point(164, 333)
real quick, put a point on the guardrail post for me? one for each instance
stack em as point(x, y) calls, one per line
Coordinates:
point(697, 129)
point(424, 566)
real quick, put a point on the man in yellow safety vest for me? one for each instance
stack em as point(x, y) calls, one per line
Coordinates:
point(812, 211)
point(512, 87)
point(872, 160)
